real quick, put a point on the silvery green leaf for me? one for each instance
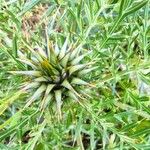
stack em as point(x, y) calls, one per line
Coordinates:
point(65, 59)
point(78, 81)
point(36, 95)
point(79, 58)
point(28, 62)
point(72, 95)
point(67, 85)
point(49, 88)
point(85, 71)
point(58, 95)
point(40, 79)
point(47, 96)
point(30, 73)
point(57, 50)
point(53, 58)
point(85, 93)
point(64, 48)
point(73, 69)
point(39, 58)
point(31, 85)
point(46, 101)
point(52, 22)
point(41, 51)
point(75, 52)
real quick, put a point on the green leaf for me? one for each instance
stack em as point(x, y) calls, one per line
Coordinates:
point(6, 50)
point(46, 100)
point(75, 68)
point(11, 130)
point(86, 71)
point(129, 126)
point(49, 88)
point(14, 19)
point(7, 133)
point(144, 78)
point(15, 47)
point(36, 95)
point(79, 58)
point(27, 61)
point(5, 103)
point(122, 3)
point(78, 81)
point(135, 7)
point(67, 85)
point(65, 60)
point(36, 137)
point(12, 121)
point(140, 132)
point(64, 48)
point(40, 79)
point(31, 85)
point(29, 73)
point(75, 52)
point(28, 6)
point(72, 95)
point(58, 96)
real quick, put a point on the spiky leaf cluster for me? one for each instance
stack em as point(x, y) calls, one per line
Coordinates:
point(55, 73)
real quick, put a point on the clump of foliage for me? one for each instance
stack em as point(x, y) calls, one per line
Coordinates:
point(74, 74)
point(55, 74)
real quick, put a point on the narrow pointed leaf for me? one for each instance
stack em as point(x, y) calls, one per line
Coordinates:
point(28, 5)
point(122, 4)
point(58, 96)
point(76, 68)
point(85, 71)
point(31, 85)
point(40, 79)
point(36, 95)
point(38, 57)
point(78, 81)
point(57, 50)
point(49, 88)
point(79, 58)
point(75, 52)
point(12, 120)
point(64, 61)
point(134, 8)
point(28, 62)
point(8, 101)
point(67, 85)
point(85, 93)
point(37, 136)
point(46, 101)
point(64, 49)
point(72, 95)
point(41, 52)
point(30, 73)
point(53, 58)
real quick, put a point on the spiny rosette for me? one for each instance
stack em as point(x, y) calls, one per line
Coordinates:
point(55, 73)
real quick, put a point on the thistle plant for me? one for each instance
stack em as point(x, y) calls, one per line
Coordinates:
point(54, 80)
point(55, 73)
